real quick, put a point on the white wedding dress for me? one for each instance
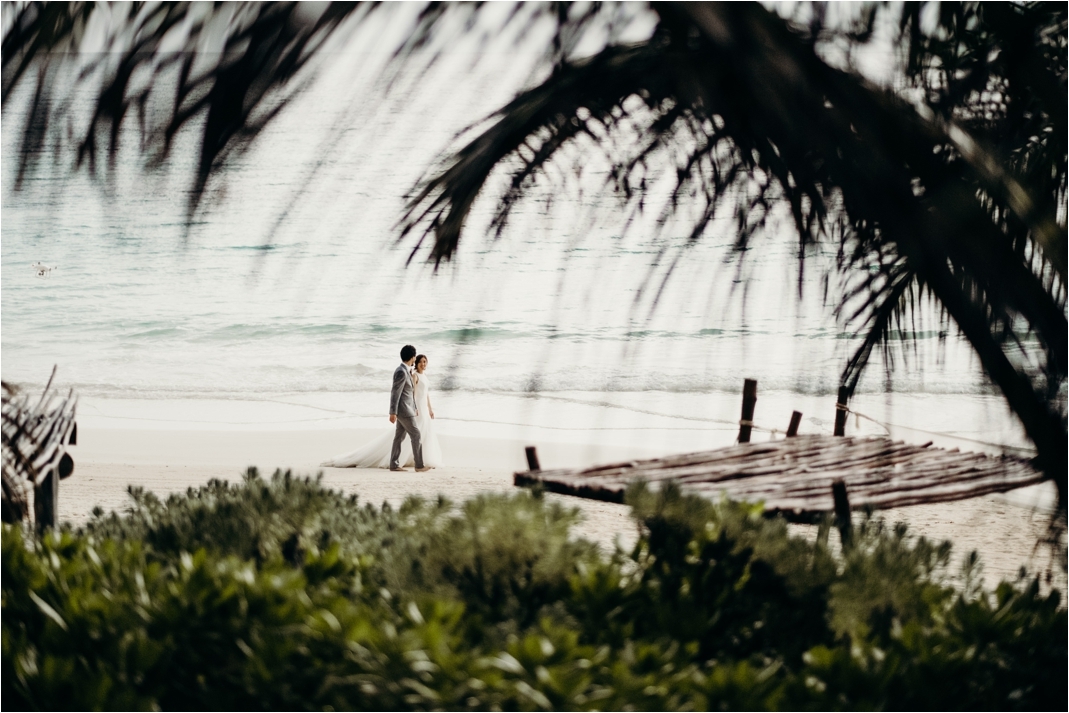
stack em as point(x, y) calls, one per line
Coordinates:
point(376, 453)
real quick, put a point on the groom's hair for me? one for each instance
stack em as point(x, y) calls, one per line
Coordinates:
point(407, 352)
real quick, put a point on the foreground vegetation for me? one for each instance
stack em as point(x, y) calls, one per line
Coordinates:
point(279, 594)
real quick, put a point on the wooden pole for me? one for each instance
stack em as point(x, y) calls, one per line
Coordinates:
point(45, 502)
point(842, 513)
point(796, 419)
point(749, 400)
point(532, 458)
point(840, 412)
point(13, 508)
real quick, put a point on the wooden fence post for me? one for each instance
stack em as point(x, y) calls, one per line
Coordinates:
point(842, 513)
point(532, 458)
point(796, 419)
point(749, 400)
point(840, 412)
point(45, 502)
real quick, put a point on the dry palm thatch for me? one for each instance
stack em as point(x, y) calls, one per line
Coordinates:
point(794, 477)
point(35, 436)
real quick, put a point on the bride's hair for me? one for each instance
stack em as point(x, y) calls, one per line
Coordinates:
point(419, 358)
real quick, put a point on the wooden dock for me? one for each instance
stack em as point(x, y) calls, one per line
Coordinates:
point(794, 477)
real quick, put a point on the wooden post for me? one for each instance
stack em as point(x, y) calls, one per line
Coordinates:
point(45, 502)
point(840, 412)
point(532, 458)
point(74, 434)
point(13, 508)
point(749, 400)
point(796, 419)
point(842, 513)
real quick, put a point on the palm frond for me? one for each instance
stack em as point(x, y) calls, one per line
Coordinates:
point(231, 64)
point(541, 120)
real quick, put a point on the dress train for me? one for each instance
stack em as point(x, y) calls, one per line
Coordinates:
point(376, 452)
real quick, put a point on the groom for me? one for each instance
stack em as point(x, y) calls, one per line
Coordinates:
point(403, 411)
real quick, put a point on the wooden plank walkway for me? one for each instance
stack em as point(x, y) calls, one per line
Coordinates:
point(794, 477)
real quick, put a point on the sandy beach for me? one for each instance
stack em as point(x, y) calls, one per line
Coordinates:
point(1003, 528)
point(110, 460)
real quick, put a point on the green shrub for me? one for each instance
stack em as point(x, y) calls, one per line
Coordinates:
point(215, 633)
point(258, 519)
point(506, 558)
point(722, 579)
point(280, 594)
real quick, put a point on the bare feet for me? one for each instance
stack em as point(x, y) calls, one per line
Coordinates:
point(423, 469)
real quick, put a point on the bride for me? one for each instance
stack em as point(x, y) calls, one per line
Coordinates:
point(376, 453)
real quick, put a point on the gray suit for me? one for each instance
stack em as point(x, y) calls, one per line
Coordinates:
point(403, 405)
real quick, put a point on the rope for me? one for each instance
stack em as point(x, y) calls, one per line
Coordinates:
point(858, 415)
point(376, 415)
point(887, 427)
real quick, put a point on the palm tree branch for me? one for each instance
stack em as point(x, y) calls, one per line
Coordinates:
point(442, 203)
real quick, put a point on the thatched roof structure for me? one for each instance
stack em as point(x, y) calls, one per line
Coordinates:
point(35, 434)
point(794, 477)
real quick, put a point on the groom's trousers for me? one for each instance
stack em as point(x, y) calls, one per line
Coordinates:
point(406, 425)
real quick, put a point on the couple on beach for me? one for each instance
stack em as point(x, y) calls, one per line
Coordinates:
point(412, 416)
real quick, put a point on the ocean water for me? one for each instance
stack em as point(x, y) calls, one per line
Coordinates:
point(290, 284)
